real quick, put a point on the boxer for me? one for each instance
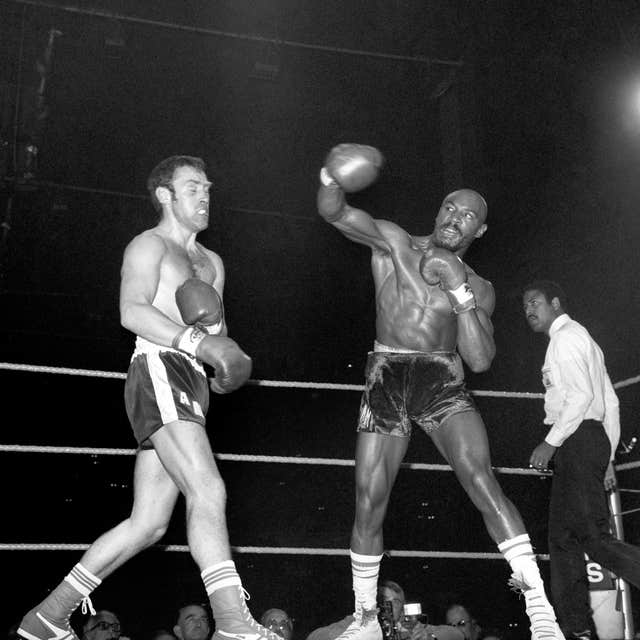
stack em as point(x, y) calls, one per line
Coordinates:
point(433, 313)
point(171, 298)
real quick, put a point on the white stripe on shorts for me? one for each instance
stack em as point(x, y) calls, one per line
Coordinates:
point(162, 388)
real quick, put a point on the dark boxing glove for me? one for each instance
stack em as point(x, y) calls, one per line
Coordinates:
point(198, 302)
point(352, 166)
point(444, 268)
point(232, 365)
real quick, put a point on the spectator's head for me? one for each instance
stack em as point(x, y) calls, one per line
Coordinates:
point(390, 591)
point(278, 621)
point(460, 617)
point(193, 622)
point(103, 625)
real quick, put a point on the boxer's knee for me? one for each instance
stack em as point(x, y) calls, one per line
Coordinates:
point(481, 485)
point(146, 532)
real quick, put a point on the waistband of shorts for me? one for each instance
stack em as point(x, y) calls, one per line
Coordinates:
point(379, 347)
point(145, 347)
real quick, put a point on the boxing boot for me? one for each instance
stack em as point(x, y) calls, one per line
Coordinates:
point(233, 618)
point(542, 617)
point(365, 626)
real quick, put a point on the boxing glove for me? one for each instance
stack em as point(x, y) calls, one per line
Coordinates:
point(446, 269)
point(232, 366)
point(352, 166)
point(198, 302)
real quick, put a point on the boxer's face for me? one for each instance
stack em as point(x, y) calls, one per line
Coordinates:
point(539, 312)
point(190, 198)
point(460, 220)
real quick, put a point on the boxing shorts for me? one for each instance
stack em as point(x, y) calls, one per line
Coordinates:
point(403, 388)
point(163, 385)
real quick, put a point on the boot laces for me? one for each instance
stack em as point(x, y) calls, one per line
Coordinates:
point(87, 605)
point(250, 620)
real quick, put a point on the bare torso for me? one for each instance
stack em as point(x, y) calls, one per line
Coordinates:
point(179, 264)
point(410, 313)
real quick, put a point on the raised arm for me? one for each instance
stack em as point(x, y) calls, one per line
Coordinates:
point(347, 169)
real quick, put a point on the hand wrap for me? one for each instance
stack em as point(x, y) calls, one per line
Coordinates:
point(462, 299)
point(189, 338)
point(326, 179)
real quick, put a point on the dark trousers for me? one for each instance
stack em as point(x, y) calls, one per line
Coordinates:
point(579, 523)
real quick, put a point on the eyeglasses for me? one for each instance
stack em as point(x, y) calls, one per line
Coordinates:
point(279, 624)
point(103, 625)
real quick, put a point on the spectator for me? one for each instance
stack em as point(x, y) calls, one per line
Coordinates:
point(103, 625)
point(278, 621)
point(460, 617)
point(390, 591)
point(193, 623)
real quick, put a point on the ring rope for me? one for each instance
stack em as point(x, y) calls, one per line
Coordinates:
point(12, 366)
point(275, 459)
point(307, 551)
point(244, 457)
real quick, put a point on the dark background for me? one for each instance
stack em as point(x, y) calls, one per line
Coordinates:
point(531, 103)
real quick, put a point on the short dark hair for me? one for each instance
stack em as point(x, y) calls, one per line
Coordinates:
point(162, 174)
point(549, 289)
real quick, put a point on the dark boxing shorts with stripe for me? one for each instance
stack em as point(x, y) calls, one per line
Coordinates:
point(163, 385)
point(406, 388)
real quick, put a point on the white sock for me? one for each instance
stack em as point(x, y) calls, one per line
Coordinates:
point(220, 575)
point(518, 552)
point(365, 570)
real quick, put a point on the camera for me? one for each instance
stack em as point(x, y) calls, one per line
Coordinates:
point(412, 615)
point(387, 623)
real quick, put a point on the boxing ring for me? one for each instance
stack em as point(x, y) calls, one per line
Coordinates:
point(620, 601)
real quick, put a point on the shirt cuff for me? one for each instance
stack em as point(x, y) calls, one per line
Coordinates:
point(553, 440)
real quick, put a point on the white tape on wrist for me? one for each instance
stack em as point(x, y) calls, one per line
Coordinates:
point(462, 298)
point(212, 329)
point(189, 339)
point(326, 179)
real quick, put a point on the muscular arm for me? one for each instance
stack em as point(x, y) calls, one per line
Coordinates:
point(475, 330)
point(140, 277)
point(355, 224)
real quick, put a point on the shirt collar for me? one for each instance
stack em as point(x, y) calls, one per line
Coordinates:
point(560, 321)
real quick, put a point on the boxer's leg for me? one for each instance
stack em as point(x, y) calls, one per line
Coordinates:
point(154, 498)
point(378, 459)
point(462, 440)
point(186, 453)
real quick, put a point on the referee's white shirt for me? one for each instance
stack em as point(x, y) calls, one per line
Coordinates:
point(577, 385)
